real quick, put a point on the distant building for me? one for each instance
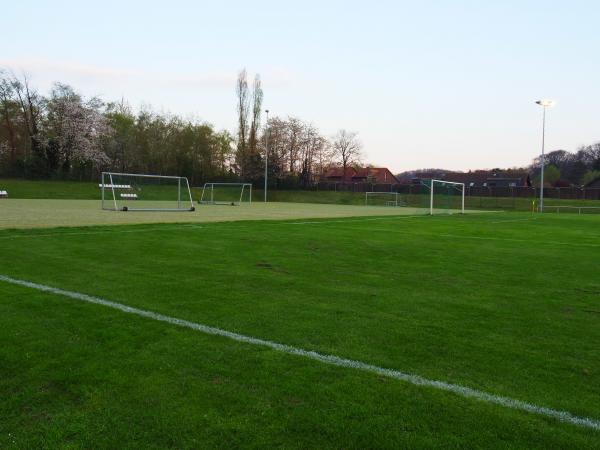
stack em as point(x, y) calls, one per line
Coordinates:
point(476, 178)
point(504, 182)
point(375, 175)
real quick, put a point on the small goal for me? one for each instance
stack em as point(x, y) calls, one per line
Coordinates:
point(384, 199)
point(226, 194)
point(141, 192)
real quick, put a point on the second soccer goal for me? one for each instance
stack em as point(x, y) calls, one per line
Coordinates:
point(226, 194)
point(445, 197)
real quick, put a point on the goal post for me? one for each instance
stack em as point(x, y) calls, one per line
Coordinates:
point(384, 199)
point(226, 194)
point(142, 192)
point(445, 196)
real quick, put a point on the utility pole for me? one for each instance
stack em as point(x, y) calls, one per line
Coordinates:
point(544, 104)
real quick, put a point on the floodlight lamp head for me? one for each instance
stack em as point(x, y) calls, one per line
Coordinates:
point(546, 103)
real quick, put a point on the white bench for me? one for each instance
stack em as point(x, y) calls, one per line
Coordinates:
point(114, 186)
point(3, 194)
point(129, 196)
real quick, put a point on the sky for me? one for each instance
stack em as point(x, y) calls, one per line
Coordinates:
point(448, 84)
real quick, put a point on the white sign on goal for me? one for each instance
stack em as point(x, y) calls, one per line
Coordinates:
point(226, 193)
point(140, 192)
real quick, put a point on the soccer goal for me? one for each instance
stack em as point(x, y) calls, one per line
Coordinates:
point(140, 192)
point(384, 199)
point(445, 197)
point(226, 194)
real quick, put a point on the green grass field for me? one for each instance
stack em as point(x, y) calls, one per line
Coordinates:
point(507, 304)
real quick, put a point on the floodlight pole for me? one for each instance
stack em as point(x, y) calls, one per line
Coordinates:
point(266, 152)
point(544, 104)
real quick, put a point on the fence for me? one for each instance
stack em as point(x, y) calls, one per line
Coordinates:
point(573, 193)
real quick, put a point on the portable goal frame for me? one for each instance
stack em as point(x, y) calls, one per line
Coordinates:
point(107, 182)
point(208, 191)
point(394, 198)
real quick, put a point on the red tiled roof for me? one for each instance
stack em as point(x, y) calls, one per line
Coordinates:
point(380, 175)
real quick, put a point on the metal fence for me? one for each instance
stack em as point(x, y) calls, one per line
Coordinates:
point(573, 193)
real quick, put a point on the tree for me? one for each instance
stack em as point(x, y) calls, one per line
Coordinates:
point(8, 111)
point(590, 176)
point(551, 176)
point(257, 97)
point(347, 148)
point(76, 129)
point(248, 158)
point(31, 108)
point(243, 110)
point(121, 148)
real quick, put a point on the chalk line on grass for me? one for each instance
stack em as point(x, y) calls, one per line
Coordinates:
point(562, 416)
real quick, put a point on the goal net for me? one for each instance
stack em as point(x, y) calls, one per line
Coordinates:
point(444, 197)
point(384, 199)
point(140, 192)
point(226, 194)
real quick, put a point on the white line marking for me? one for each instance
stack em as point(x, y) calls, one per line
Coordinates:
point(562, 416)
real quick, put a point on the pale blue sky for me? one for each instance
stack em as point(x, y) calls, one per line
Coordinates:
point(426, 84)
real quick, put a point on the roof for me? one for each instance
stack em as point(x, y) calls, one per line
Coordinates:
point(338, 172)
point(380, 175)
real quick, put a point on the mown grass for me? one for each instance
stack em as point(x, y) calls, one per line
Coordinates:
point(507, 304)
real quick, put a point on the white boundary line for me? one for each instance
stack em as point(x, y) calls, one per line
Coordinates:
point(562, 416)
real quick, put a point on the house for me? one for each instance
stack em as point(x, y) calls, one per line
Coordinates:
point(504, 182)
point(375, 175)
point(486, 178)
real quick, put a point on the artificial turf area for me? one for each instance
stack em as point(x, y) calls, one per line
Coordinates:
point(508, 304)
point(42, 213)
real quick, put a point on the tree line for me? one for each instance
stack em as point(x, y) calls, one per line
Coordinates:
point(64, 135)
point(564, 168)
point(561, 169)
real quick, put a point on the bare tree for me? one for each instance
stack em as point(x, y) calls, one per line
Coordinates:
point(257, 97)
point(295, 128)
point(248, 158)
point(30, 104)
point(7, 103)
point(243, 109)
point(347, 148)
